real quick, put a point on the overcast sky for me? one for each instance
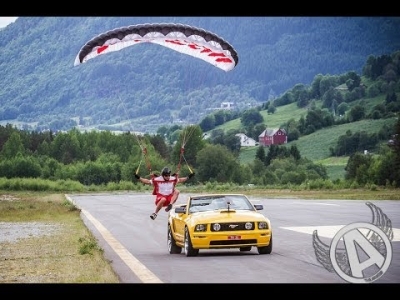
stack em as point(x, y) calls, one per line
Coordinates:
point(4, 21)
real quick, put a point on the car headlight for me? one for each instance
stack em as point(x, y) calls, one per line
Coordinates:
point(262, 225)
point(200, 227)
point(248, 225)
point(217, 227)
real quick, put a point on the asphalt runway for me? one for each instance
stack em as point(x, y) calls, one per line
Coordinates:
point(137, 245)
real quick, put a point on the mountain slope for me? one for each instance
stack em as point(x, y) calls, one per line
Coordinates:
point(147, 86)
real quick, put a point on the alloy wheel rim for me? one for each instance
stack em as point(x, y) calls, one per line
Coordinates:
point(186, 244)
point(169, 240)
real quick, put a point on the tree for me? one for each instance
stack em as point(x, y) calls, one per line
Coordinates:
point(257, 130)
point(293, 134)
point(342, 108)
point(13, 146)
point(326, 83)
point(232, 142)
point(294, 152)
point(208, 123)
point(219, 117)
point(353, 80)
point(162, 130)
point(396, 151)
point(356, 113)
point(355, 161)
point(286, 98)
point(315, 118)
point(328, 98)
point(272, 153)
point(20, 166)
point(160, 146)
point(217, 136)
point(260, 153)
point(215, 163)
point(271, 109)
point(314, 90)
point(251, 117)
point(66, 148)
point(189, 143)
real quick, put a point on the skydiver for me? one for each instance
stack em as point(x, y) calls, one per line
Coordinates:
point(164, 189)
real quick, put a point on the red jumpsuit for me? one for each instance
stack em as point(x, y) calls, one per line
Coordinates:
point(164, 188)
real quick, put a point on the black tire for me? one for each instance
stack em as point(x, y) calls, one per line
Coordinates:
point(243, 249)
point(173, 248)
point(267, 249)
point(189, 251)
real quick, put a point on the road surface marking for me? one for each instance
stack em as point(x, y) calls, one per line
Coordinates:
point(316, 203)
point(140, 270)
point(330, 231)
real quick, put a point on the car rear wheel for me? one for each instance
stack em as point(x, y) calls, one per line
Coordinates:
point(242, 249)
point(172, 247)
point(189, 251)
point(267, 249)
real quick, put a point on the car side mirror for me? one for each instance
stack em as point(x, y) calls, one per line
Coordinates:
point(180, 209)
point(258, 206)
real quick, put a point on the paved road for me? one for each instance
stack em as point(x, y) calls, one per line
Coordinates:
point(137, 245)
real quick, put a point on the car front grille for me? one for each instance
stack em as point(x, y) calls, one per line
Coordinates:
point(232, 226)
point(233, 242)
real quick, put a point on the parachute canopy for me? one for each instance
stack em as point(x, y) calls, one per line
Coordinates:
point(185, 39)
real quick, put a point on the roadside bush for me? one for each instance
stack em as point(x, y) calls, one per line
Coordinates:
point(293, 177)
point(316, 184)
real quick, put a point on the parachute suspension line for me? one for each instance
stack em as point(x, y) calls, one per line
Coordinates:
point(180, 159)
point(194, 75)
point(188, 131)
point(138, 168)
point(142, 148)
point(147, 161)
point(146, 158)
point(182, 156)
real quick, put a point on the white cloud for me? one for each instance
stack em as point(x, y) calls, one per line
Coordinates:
point(4, 21)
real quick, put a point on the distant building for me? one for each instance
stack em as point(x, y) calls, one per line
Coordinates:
point(246, 141)
point(227, 105)
point(272, 137)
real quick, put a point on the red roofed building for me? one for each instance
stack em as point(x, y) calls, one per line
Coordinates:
point(272, 137)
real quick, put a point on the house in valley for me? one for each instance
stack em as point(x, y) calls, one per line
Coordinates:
point(274, 136)
point(246, 141)
point(227, 105)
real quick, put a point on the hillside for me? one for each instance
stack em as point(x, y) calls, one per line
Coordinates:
point(315, 146)
point(147, 86)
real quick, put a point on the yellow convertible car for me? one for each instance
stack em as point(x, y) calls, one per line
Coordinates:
point(218, 221)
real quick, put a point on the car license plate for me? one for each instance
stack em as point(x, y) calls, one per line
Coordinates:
point(234, 237)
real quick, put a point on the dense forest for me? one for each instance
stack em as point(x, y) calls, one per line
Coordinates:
point(145, 87)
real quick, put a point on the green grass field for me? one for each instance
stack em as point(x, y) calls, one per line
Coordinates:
point(315, 146)
point(281, 116)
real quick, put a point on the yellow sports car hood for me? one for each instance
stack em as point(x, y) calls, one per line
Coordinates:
point(224, 215)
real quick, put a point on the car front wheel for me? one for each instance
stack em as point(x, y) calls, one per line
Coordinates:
point(265, 250)
point(189, 251)
point(172, 247)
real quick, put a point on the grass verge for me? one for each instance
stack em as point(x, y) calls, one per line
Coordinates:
point(44, 240)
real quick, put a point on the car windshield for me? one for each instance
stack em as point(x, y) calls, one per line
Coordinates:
point(210, 203)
